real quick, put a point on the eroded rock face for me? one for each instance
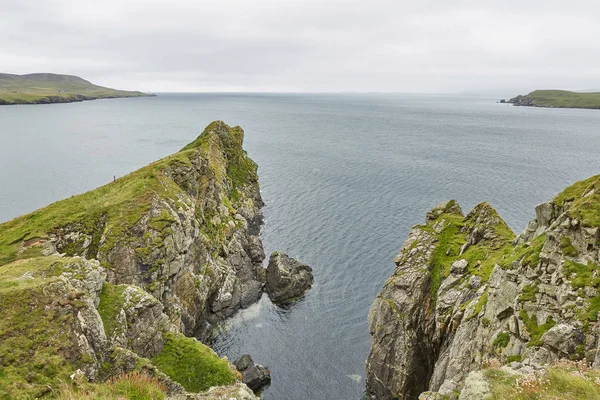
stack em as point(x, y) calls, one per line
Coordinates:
point(466, 291)
point(287, 278)
point(195, 245)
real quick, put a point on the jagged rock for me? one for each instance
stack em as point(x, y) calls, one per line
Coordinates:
point(287, 279)
point(446, 207)
point(529, 298)
point(254, 375)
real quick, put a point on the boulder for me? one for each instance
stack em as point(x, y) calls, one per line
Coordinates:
point(287, 278)
point(563, 339)
point(254, 375)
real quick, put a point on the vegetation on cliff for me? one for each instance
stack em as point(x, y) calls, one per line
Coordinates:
point(75, 277)
point(466, 291)
point(558, 99)
point(54, 88)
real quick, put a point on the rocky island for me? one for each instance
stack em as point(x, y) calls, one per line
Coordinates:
point(474, 312)
point(46, 88)
point(557, 99)
point(107, 293)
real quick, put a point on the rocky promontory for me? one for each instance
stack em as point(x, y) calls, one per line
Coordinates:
point(122, 279)
point(471, 309)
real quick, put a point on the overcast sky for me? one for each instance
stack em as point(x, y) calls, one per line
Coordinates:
point(310, 45)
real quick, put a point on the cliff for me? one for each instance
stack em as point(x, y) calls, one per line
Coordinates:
point(557, 99)
point(112, 281)
point(467, 294)
point(43, 88)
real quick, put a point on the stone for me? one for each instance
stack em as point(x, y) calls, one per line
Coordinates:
point(563, 338)
point(254, 375)
point(287, 278)
point(476, 387)
point(459, 267)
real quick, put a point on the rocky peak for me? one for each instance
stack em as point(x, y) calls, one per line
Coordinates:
point(465, 292)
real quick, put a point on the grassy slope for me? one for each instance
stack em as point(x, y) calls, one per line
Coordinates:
point(35, 341)
point(53, 88)
point(120, 204)
point(565, 381)
point(563, 99)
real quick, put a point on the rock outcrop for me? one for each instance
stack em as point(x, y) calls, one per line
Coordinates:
point(254, 375)
point(287, 278)
point(113, 280)
point(466, 291)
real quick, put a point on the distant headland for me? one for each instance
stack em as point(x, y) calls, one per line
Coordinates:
point(556, 99)
point(47, 88)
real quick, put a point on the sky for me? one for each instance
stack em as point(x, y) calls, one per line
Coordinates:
point(443, 46)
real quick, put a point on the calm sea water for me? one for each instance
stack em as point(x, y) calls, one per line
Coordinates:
point(344, 177)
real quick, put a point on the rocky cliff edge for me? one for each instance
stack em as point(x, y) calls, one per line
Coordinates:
point(466, 293)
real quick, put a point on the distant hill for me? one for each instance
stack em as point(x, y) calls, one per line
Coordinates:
point(54, 88)
point(558, 99)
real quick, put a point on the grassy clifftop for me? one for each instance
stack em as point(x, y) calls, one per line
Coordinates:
point(54, 88)
point(111, 210)
point(558, 99)
point(64, 309)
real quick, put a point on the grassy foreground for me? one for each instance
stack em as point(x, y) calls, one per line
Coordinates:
point(558, 99)
point(564, 381)
point(54, 88)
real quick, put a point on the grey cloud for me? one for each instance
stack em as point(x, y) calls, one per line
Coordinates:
point(327, 45)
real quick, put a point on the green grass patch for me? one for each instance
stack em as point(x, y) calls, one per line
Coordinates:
point(132, 386)
point(195, 366)
point(501, 340)
point(535, 331)
point(560, 99)
point(567, 247)
point(559, 382)
point(528, 293)
point(37, 347)
point(481, 302)
point(111, 302)
point(581, 275)
point(513, 358)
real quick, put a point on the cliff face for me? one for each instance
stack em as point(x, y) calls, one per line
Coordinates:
point(466, 292)
point(116, 275)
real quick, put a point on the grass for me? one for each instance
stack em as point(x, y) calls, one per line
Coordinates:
point(559, 99)
point(525, 253)
point(535, 331)
point(528, 293)
point(132, 386)
point(111, 302)
point(111, 211)
point(53, 88)
point(195, 366)
point(567, 247)
point(37, 347)
point(583, 201)
point(481, 302)
point(581, 275)
point(481, 257)
point(559, 382)
point(501, 340)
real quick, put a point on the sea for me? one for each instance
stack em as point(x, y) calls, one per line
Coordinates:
point(344, 177)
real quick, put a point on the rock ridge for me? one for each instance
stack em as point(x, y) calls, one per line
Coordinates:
point(466, 292)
